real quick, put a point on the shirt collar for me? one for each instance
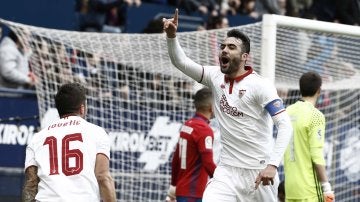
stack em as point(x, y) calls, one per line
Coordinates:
point(200, 116)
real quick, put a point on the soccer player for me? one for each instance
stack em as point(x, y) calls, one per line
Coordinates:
point(192, 162)
point(69, 159)
point(305, 175)
point(246, 106)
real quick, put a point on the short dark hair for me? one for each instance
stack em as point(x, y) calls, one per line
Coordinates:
point(310, 83)
point(245, 46)
point(203, 98)
point(69, 98)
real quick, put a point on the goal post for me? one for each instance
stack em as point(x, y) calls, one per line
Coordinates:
point(270, 22)
point(291, 46)
point(136, 94)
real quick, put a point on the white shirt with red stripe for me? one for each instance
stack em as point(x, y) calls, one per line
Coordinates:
point(246, 126)
point(65, 154)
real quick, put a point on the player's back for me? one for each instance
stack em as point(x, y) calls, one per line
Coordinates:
point(309, 126)
point(65, 154)
point(193, 177)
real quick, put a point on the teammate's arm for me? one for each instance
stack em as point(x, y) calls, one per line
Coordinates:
point(106, 183)
point(30, 188)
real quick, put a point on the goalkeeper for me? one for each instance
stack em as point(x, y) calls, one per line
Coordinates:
point(305, 175)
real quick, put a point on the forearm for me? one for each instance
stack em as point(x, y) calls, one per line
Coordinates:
point(284, 127)
point(107, 188)
point(321, 173)
point(182, 62)
point(208, 163)
point(30, 188)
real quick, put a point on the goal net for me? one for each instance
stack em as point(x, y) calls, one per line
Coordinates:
point(136, 94)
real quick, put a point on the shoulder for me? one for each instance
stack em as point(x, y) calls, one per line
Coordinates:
point(201, 127)
point(258, 81)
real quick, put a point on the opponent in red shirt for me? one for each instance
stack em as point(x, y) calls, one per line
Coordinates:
point(192, 162)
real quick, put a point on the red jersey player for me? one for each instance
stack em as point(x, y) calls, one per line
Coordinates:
point(192, 162)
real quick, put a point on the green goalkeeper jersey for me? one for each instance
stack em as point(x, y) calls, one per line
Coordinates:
point(305, 148)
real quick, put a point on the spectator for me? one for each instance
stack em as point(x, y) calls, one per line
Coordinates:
point(154, 26)
point(204, 7)
point(14, 66)
point(348, 12)
point(266, 7)
point(116, 17)
point(217, 22)
point(298, 8)
point(248, 8)
point(92, 14)
point(232, 7)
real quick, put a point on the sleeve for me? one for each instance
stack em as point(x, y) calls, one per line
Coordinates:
point(285, 131)
point(205, 147)
point(266, 93)
point(317, 138)
point(29, 157)
point(175, 165)
point(103, 143)
point(182, 62)
point(281, 119)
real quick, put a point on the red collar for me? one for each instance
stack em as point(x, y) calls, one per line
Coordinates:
point(239, 78)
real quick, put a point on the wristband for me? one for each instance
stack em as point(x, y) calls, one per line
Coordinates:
point(326, 187)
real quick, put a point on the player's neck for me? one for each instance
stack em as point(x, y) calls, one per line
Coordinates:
point(312, 100)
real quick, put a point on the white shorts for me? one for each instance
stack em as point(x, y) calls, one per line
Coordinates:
point(232, 184)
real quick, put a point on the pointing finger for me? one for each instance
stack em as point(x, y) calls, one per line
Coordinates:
point(176, 16)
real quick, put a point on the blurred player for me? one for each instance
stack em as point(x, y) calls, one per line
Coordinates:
point(192, 162)
point(304, 164)
point(69, 160)
point(245, 105)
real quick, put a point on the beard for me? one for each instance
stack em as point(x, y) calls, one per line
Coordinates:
point(231, 66)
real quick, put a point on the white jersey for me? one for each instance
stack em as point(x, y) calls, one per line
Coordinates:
point(246, 126)
point(65, 154)
point(243, 109)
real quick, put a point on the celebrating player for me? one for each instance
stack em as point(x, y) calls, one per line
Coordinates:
point(245, 105)
point(193, 158)
point(69, 160)
point(304, 160)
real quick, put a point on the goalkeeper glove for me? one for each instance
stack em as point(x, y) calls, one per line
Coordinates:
point(329, 195)
point(171, 192)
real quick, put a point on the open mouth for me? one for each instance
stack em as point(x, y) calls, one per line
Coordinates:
point(224, 61)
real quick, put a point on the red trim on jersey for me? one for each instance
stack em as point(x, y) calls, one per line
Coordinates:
point(227, 79)
point(279, 112)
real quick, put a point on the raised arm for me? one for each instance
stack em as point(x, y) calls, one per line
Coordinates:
point(176, 53)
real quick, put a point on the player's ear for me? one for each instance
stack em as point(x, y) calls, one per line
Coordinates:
point(82, 110)
point(244, 56)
